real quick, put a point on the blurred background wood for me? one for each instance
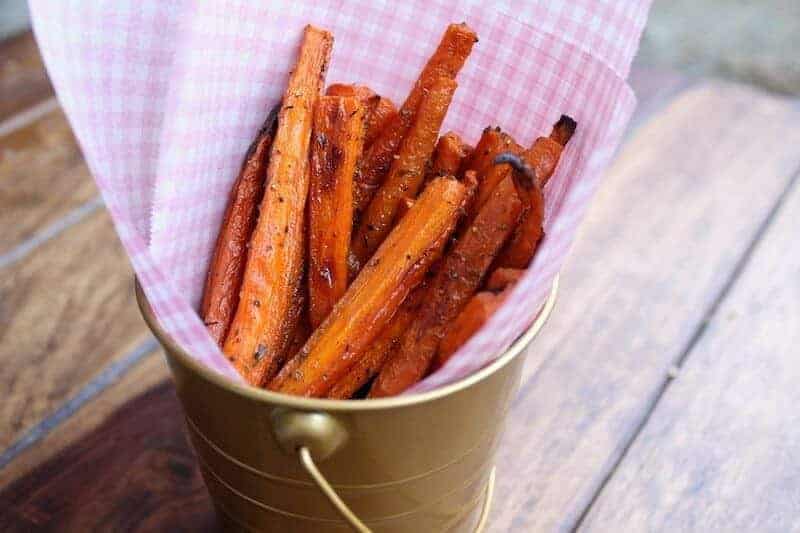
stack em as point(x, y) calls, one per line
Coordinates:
point(601, 436)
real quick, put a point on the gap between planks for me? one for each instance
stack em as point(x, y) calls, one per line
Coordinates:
point(744, 260)
point(110, 375)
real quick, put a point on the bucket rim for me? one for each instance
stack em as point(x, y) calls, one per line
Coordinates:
point(174, 350)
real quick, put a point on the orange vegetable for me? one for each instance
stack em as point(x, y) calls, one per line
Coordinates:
point(450, 151)
point(407, 171)
point(376, 294)
point(542, 158)
point(446, 61)
point(336, 144)
point(224, 278)
point(469, 321)
point(379, 110)
point(267, 312)
point(380, 350)
point(458, 277)
point(489, 174)
point(503, 277)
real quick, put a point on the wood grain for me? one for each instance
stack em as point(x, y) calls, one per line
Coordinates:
point(23, 80)
point(134, 472)
point(65, 312)
point(722, 449)
point(148, 372)
point(42, 177)
point(676, 213)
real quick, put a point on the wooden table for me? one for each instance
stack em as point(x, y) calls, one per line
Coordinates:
point(662, 396)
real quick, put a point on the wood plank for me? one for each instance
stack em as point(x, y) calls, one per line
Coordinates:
point(148, 372)
point(135, 471)
point(42, 178)
point(23, 79)
point(677, 212)
point(721, 451)
point(65, 312)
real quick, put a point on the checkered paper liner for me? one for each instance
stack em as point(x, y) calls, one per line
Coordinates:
point(165, 97)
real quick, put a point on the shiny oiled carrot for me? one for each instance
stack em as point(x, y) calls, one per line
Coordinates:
point(458, 277)
point(407, 172)
point(379, 109)
point(450, 55)
point(224, 278)
point(336, 143)
point(542, 158)
point(265, 318)
point(450, 151)
point(474, 315)
point(381, 348)
point(372, 299)
point(502, 278)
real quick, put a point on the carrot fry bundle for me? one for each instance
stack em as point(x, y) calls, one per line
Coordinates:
point(336, 144)
point(456, 280)
point(266, 316)
point(382, 347)
point(492, 142)
point(446, 61)
point(379, 110)
point(224, 278)
point(542, 158)
point(407, 171)
point(373, 298)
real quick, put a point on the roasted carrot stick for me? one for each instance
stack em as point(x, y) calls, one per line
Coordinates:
point(457, 279)
point(450, 151)
point(492, 142)
point(383, 113)
point(266, 315)
point(446, 61)
point(224, 278)
point(471, 319)
point(336, 144)
point(489, 175)
point(379, 110)
point(407, 172)
point(405, 206)
point(542, 158)
point(376, 294)
point(380, 349)
point(502, 278)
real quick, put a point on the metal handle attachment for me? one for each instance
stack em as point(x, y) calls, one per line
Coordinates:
point(308, 463)
point(320, 435)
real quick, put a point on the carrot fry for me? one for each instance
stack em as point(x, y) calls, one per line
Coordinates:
point(405, 206)
point(336, 144)
point(472, 317)
point(382, 347)
point(383, 113)
point(224, 278)
point(542, 158)
point(489, 175)
point(457, 279)
point(447, 157)
point(379, 110)
point(407, 172)
point(370, 302)
point(502, 278)
point(266, 315)
point(492, 142)
point(446, 61)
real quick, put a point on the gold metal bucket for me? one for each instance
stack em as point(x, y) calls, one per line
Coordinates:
point(417, 463)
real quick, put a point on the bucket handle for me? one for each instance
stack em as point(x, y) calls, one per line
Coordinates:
point(308, 463)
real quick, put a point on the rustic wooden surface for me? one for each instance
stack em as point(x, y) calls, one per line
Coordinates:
point(23, 80)
point(668, 271)
point(721, 450)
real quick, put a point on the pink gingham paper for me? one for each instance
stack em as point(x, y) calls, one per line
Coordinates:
point(165, 97)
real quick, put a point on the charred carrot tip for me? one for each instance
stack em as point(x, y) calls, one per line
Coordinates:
point(519, 165)
point(563, 130)
point(269, 126)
